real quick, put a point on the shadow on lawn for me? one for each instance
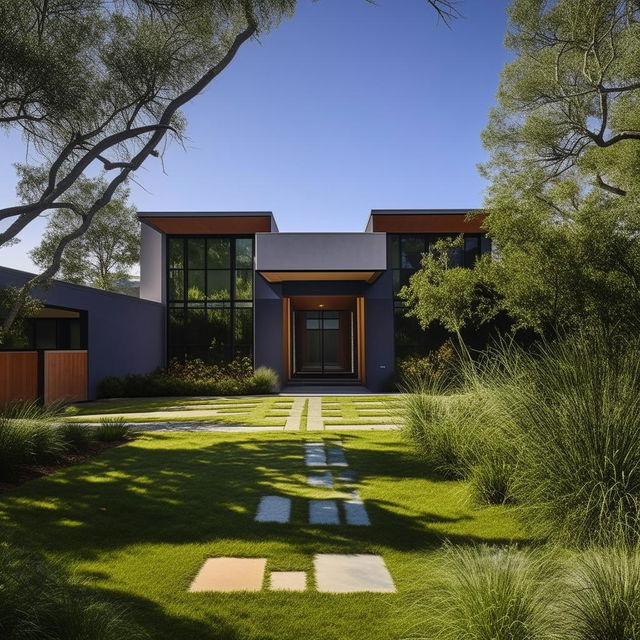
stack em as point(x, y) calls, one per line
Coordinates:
point(202, 494)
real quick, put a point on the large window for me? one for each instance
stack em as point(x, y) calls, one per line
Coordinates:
point(210, 297)
point(406, 253)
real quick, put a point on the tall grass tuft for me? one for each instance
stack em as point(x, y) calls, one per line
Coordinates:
point(604, 601)
point(490, 593)
point(578, 420)
point(37, 601)
point(263, 380)
point(76, 436)
point(112, 430)
point(28, 434)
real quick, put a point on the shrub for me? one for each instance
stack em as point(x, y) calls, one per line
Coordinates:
point(264, 380)
point(488, 593)
point(491, 478)
point(191, 378)
point(604, 601)
point(111, 430)
point(578, 420)
point(76, 436)
point(37, 601)
point(432, 368)
point(28, 434)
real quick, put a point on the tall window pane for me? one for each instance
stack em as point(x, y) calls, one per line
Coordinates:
point(218, 284)
point(195, 253)
point(176, 253)
point(244, 252)
point(244, 284)
point(218, 253)
point(176, 284)
point(195, 284)
point(412, 250)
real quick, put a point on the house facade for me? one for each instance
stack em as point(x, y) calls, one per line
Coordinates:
point(317, 308)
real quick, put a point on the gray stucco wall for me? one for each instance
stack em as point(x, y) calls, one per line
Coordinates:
point(152, 264)
point(267, 327)
point(125, 334)
point(321, 251)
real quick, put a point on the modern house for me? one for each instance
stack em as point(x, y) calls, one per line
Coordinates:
point(315, 307)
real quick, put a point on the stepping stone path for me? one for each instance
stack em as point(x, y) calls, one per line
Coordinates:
point(274, 509)
point(352, 574)
point(230, 574)
point(334, 573)
point(323, 512)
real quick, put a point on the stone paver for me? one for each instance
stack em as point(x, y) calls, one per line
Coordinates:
point(274, 509)
point(230, 574)
point(288, 581)
point(352, 574)
point(323, 512)
point(314, 414)
point(347, 477)
point(355, 512)
point(324, 480)
point(314, 454)
point(335, 455)
point(295, 415)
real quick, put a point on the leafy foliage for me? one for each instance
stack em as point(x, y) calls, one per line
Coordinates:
point(109, 248)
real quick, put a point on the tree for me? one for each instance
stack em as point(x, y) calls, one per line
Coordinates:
point(102, 82)
point(106, 251)
point(564, 196)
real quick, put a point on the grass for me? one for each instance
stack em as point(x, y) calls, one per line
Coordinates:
point(361, 410)
point(138, 521)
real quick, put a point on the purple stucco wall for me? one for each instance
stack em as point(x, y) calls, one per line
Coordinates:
point(125, 334)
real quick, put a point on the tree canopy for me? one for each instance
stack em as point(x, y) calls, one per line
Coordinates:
point(563, 202)
point(108, 250)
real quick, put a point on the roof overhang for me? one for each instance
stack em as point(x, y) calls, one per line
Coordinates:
point(315, 276)
point(209, 222)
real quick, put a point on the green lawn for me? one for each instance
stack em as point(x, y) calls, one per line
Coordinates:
point(139, 520)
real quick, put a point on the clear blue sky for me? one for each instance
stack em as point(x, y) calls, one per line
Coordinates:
point(344, 108)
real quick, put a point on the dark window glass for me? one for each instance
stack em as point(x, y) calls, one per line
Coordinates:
point(176, 284)
point(471, 251)
point(46, 333)
point(219, 337)
point(456, 257)
point(244, 329)
point(195, 284)
point(244, 284)
point(218, 253)
point(313, 323)
point(244, 253)
point(195, 253)
point(75, 334)
point(218, 284)
point(176, 253)
point(485, 245)
point(395, 252)
point(412, 250)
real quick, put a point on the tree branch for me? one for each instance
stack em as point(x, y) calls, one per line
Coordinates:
point(610, 188)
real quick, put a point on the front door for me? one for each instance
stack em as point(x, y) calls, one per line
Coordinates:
point(324, 343)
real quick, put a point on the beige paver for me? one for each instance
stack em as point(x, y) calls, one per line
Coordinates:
point(356, 573)
point(288, 581)
point(230, 574)
point(295, 415)
point(314, 415)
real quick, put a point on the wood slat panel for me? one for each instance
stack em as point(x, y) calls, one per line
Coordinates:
point(433, 223)
point(214, 224)
point(362, 363)
point(65, 376)
point(18, 376)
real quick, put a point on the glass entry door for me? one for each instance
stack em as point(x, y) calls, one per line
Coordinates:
point(324, 343)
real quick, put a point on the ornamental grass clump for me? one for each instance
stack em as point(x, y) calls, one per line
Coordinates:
point(577, 417)
point(603, 601)
point(491, 593)
point(38, 602)
point(112, 430)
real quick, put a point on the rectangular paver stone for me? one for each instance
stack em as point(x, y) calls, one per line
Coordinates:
point(314, 455)
point(288, 580)
point(321, 480)
point(335, 456)
point(352, 574)
point(355, 512)
point(323, 512)
point(230, 574)
point(274, 509)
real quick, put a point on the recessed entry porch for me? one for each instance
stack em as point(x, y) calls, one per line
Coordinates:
point(324, 338)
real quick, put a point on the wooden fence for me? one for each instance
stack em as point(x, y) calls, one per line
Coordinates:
point(49, 376)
